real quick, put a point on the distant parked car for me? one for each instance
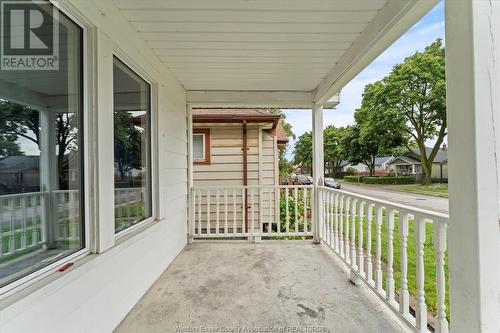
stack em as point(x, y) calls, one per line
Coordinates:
point(303, 180)
point(330, 182)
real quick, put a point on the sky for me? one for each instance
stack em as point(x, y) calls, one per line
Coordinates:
point(423, 33)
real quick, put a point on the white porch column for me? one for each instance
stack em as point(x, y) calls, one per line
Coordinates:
point(473, 104)
point(48, 175)
point(189, 132)
point(318, 171)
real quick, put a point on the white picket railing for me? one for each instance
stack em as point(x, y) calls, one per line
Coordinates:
point(271, 211)
point(21, 222)
point(344, 217)
point(24, 218)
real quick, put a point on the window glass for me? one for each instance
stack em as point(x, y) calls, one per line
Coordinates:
point(198, 147)
point(41, 141)
point(132, 147)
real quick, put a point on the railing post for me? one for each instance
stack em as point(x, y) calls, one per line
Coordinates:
point(439, 238)
point(191, 217)
point(421, 307)
point(404, 297)
point(315, 214)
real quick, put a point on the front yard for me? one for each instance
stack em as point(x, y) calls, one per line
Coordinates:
point(436, 190)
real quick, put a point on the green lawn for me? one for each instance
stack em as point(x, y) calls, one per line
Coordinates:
point(65, 228)
point(436, 190)
point(429, 260)
point(128, 214)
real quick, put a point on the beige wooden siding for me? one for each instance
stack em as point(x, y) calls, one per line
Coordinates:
point(226, 169)
point(270, 198)
point(436, 170)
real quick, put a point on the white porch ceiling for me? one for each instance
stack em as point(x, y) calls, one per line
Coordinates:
point(269, 45)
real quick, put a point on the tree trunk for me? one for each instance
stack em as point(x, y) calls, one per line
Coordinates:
point(427, 168)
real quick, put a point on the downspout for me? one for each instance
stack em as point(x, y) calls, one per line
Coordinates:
point(245, 171)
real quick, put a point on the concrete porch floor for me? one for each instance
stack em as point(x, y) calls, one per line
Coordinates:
point(261, 288)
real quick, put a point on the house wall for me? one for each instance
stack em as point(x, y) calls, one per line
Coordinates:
point(96, 293)
point(226, 156)
point(226, 170)
point(436, 171)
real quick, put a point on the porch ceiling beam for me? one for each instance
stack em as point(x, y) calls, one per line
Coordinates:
point(392, 21)
point(235, 98)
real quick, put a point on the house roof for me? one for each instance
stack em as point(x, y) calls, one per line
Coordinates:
point(441, 156)
point(382, 159)
point(231, 115)
point(15, 164)
point(280, 133)
point(407, 159)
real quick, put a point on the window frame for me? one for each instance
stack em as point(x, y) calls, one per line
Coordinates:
point(88, 46)
point(153, 143)
point(207, 144)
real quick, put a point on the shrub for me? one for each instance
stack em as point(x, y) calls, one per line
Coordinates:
point(390, 180)
point(351, 171)
point(392, 173)
point(354, 179)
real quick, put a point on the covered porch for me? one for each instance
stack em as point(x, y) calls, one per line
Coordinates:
point(216, 263)
point(227, 286)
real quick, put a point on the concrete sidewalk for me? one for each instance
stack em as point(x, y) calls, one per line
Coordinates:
point(435, 204)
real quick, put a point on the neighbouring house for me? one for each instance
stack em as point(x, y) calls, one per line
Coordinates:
point(381, 166)
point(238, 147)
point(409, 163)
point(220, 137)
point(19, 174)
point(96, 257)
point(302, 169)
point(329, 169)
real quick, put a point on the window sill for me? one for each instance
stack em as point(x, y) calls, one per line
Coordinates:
point(30, 284)
point(134, 230)
point(22, 284)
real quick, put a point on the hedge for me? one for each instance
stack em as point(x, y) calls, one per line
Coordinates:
point(390, 180)
point(354, 179)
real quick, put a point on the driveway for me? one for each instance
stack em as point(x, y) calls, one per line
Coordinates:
point(416, 200)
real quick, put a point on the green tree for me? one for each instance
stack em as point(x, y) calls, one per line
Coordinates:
point(416, 91)
point(377, 130)
point(17, 120)
point(8, 146)
point(285, 166)
point(334, 149)
point(358, 150)
point(303, 150)
point(127, 142)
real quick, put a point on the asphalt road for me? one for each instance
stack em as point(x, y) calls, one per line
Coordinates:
point(415, 200)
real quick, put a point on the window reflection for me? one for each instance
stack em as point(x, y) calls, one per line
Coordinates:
point(41, 180)
point(131, 147)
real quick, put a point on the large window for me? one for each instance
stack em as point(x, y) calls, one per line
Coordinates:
point(41, 140)
point(132, 117)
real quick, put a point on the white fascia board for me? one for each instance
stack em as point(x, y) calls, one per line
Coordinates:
point(244, 98)
point(248, 99)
